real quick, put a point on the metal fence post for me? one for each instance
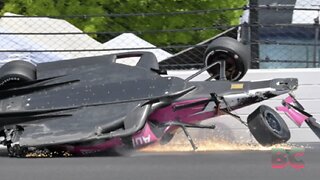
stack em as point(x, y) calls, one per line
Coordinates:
point(254, 34)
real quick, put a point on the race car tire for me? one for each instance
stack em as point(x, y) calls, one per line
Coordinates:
point(267, 126)
point(236, 55)
point(15, 72)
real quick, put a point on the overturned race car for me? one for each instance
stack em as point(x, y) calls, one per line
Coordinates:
point(94, 104)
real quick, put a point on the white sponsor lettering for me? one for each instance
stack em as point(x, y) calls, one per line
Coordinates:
point(138, 141)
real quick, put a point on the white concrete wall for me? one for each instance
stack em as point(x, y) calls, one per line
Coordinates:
point(308, 94)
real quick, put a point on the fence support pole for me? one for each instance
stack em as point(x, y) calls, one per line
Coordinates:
point(254, 34)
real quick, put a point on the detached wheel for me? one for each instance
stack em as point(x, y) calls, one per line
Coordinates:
point(16, 72)
point(267, 126)
point(235, 54)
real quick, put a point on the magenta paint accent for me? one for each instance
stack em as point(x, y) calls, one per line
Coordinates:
point(144, 137)
point(289, 100)
point(294, 115)
point(188, 115)
point(97, 147)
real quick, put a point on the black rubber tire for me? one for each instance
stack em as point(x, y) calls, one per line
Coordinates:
point(236, 54)
point(267, 126)
point(17, 72)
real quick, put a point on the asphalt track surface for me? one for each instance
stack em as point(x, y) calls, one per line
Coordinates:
point(226, 165)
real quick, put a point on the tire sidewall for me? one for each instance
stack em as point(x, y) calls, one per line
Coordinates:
point(20, 71)
point(283, 126)
point(234, 47)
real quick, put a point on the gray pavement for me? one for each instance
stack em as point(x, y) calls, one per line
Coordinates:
point(225, 165)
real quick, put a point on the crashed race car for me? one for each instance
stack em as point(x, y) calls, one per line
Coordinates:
point(95, 104)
